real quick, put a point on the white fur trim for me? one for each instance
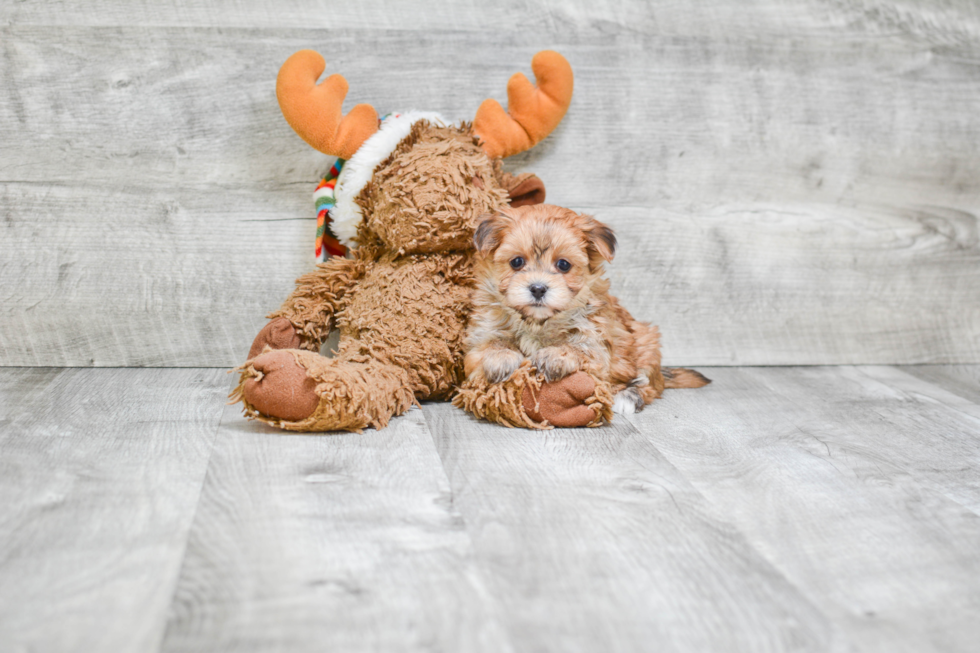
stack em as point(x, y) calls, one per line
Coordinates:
point(346, 215)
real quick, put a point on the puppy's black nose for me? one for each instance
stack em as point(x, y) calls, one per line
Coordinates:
point(538, 290)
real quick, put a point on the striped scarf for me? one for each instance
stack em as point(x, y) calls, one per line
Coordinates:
point(327, 244)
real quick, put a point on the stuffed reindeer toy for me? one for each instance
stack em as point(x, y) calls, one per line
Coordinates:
point(404, 199)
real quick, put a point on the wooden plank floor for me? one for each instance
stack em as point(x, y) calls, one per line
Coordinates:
point(779, 509)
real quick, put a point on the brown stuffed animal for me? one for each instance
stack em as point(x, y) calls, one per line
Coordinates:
point(408, 197)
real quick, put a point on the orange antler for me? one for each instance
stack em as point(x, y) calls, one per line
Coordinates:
point(534, 111)
point(314, 112)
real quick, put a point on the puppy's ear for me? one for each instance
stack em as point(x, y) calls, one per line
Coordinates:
point(489, 232)
point(601, 238)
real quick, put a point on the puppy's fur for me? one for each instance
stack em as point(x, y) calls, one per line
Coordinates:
point(541, 295)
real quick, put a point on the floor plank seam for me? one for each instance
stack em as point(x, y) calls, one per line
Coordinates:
point(925, 484)
point(486, 574)
point(718, 515)
point(190, 525)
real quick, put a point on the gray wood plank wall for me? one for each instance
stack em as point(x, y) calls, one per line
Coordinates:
point(793, 182)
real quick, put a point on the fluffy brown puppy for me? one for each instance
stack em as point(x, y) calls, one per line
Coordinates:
point(541, 297)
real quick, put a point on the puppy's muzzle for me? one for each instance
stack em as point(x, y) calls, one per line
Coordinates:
point(537, 290)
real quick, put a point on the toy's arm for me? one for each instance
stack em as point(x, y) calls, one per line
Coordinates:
point(306, 317)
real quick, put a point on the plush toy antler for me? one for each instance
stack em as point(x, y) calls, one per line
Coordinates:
point(532, 111)
point(314, 111)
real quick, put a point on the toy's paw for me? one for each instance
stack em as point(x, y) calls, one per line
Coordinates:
point(500, 364)
point(554, 364)
point(562, 402)
point(281, 387)
point(278, 334)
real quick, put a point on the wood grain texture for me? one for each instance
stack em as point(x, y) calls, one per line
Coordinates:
point(856, 489)
point(810, 166)
point(956, 21)
point(962, 380)
point(778, 509)
point(801, 284)
point(161, 278)
point(935, 434)
point(342, 542)
point(100, 472)
point(594, 542)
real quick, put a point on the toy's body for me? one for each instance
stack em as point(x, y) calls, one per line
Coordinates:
point(408, 200)
point(373, 376)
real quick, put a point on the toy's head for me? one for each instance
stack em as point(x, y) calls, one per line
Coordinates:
point(413, 181)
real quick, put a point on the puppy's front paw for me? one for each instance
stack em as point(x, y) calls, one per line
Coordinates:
point(500, 364)
point(554, 363)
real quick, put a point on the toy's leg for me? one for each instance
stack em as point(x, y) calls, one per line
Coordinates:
point(299, 390)
point(525, 400)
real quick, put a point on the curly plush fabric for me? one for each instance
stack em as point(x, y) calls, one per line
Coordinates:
point(400, 303)
point(520, 402)
point(404, 202)
point(351, 393)
point(319, 295)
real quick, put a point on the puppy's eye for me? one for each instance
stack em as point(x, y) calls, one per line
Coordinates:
point(563, 265)
point(517, 263)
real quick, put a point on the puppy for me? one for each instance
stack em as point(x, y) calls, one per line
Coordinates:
point(540, 295)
